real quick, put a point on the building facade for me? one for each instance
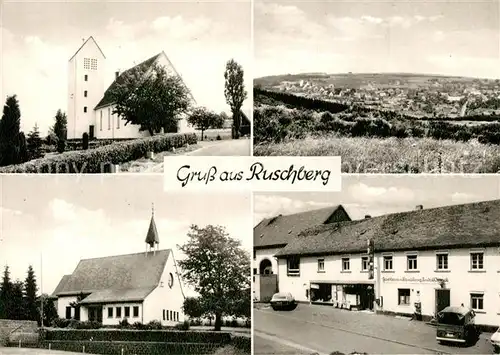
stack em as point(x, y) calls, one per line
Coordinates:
point(90, 106)
point(141, 287)
point(423, 261)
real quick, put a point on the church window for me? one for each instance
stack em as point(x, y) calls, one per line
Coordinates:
point(68, 312)
point(86, 63)
point(171, 315)
point(109, 119)
point(85, 109)
point(167, 315)
point(93, 64)
point(100, 122)
point(86, 77)
point(118, 312)
point(85, 93)
point(110, 312)
point(136, 311)
point(127, 311)
point(163, 314)
point(118, 121)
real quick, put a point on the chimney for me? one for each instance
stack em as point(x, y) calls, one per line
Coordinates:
point(117, 74)
point(419, 207)
point(367, 216)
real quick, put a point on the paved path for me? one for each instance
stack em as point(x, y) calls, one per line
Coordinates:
point(325, 329)
point(229, 147)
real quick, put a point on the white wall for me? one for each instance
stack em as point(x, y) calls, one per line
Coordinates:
point(461, 280)
point(78, 120)
point(115, 320)
point(62, 303)
point(165, 298)
point(261, 254)
point(110, 129)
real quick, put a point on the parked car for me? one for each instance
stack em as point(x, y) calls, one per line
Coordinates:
point(495, 341)
point(457, 325)
point(284, 301)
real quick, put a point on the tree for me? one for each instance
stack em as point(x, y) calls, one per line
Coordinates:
point(153, 100)
point(235, 93)
point(60, 130)
point(18, 310)
point(49, 310)
point(218, 269)
point(34, 143)
point(23, 149)
point(6, 295)
point(9, 132)
point(203, 119)
point(85, 141)
point(30, 290)
point(192, 307)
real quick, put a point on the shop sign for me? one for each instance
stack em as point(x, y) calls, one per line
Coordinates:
point(414, 279)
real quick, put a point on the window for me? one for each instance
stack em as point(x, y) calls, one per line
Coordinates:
point(345, 264)
point(110, 312)
point(255, 271)
point(321, 265)
point(100, 122)
point(85, 93)
point(364, 263)
point(127, 311)
point(293, 266)
point(404, 296)
point(86, 63)
point(476, 301)
point(171, 315)
point(85, 109)
point(109, 118)
point(387, 262)
point(68, 312)
point(411, 262)
point(136, 311)
point(93, 64)
point(118, 312)
point(442, 261)
point(167, 315)
point(254, 254)
point(477, 260)
point(86, 77)
point(163, 314)
point(177, 316)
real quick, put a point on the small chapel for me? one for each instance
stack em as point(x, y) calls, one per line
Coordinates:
point(139, 287)
point(90, 106)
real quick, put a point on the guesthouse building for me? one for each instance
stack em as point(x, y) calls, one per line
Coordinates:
point(140, 287)
point(411, 263)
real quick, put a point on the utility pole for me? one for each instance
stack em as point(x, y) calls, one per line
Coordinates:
point(41, 291)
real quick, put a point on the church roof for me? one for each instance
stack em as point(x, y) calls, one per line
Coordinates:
point(61, 284)
point(152, 236)
point(140, 68)
point(83, 45)
point(128, 277)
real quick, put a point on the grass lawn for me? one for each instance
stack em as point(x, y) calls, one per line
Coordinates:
point(211, 134)
point(393, 155)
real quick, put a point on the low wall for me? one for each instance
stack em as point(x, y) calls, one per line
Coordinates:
point(7, 326)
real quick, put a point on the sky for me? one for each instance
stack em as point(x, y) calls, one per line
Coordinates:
point(458, 38)
point(376, 195)
point(53, 221)
point(39, 38)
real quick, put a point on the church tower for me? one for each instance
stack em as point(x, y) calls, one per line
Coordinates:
point(152, 239)
point(86, 72)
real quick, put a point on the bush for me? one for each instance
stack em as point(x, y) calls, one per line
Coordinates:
point(86, 325)
point(124, 323)
point(154, 325)
point(182, 326)
point(96, 160)
point(242, 342)
point(61, 146)
point(138, 335)
point(60, 323)
point(85, 141)
point(218, 137)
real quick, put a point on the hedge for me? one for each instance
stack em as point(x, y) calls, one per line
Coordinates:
point(97, 160)
point(170, 336)
point(136, 348)
point(241, 342)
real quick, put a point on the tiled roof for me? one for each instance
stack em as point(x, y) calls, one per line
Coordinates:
point(279, 230)
point(133, 275)
point(457, 226)
point(108, 296)
point(61, 284)
point(152, 236)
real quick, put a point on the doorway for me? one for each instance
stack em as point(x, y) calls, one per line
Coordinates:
point(91, 132)
point(265, 267)
point(95, 314)
point(442, 299)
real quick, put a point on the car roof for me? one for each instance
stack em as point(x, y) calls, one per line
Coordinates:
point(456, 309)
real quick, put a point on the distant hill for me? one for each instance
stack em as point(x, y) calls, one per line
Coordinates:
point(356, 80)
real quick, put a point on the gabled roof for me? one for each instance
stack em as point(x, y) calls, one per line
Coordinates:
point(141, 69)
point(457, 226)
point(83, 45)
point(61, 284)
point(280, 230)
point(133, 276)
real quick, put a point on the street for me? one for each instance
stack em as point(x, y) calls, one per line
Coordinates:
point(228, 147)
point(323, 330)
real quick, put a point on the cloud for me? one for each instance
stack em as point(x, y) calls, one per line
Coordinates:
point(382, 195)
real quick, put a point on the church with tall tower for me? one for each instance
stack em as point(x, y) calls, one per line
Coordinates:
point(140, 287)
point(90, 105)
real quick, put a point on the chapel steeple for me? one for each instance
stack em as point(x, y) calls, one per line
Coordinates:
point(152, 239)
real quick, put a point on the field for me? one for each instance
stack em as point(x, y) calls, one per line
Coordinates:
point(375, 139)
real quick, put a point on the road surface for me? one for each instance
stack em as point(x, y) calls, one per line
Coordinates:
point(323, 330)
point(229, 147)
point(26, 351)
